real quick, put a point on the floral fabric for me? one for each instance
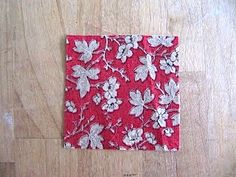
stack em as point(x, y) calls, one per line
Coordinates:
point(122, 92)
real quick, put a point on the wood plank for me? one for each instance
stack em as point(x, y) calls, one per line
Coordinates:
point(32, 85)
point(6, 85)
point(7, 169)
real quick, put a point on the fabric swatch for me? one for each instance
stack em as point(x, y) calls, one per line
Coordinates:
point(122, 92)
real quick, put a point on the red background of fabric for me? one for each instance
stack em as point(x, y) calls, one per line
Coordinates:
point(123, 93)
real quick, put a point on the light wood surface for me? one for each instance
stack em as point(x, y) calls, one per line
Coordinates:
point(32, 34)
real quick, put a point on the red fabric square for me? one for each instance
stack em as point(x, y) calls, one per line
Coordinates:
point(122, 92)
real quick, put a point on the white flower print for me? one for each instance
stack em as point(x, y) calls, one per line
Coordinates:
point(156, 40)
point(142, 71)
point(164, 148)
point(133, 39)
point(171, 89)
point(67, 145)
point(150, 138)
point(110, 88)
point(70, 105)
point(168, 131)
point(175, 120)
point(139, 102)
point(82, 74)
point(159, 117)
point(112, 104)
point(124, 52)
point(174, 57)
point(85, 49)
point(97, 98)
point(168, 64)
point(93, 138)
point(133, 136)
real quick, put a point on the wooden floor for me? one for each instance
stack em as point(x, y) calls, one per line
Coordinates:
point(32, 34)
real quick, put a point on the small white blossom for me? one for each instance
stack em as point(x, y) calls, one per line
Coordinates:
point(168, 131)
point(97, 98)
point(156, 40)
point(133, 39)
point(110, 88)
point(150, 138)
point(124, 52)
point(159, 117)
point(70, 105)
point(112, 104)
point(67, 145)
point(133, 136)
point(168, 64)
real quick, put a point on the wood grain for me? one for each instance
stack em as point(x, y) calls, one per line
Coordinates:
point(32, 84)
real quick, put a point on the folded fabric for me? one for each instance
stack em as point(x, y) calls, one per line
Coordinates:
point(122, 92)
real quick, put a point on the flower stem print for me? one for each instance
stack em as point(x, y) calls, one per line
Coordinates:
point(78, 126)
point(108, 64)
point(113, 127)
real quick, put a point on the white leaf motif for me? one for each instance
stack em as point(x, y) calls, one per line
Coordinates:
point(172, 93)
point(142, 71)
point(94, 139)
point(139, 102)
point(136, 98)
point(148, 97)
point(82, 74)
point(96, 129)
point(85, 49)
point(93, 73)
point(83, 86)
point(136, 111)
point(84, 142)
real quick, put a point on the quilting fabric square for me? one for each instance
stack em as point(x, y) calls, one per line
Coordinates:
point(122, 92)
